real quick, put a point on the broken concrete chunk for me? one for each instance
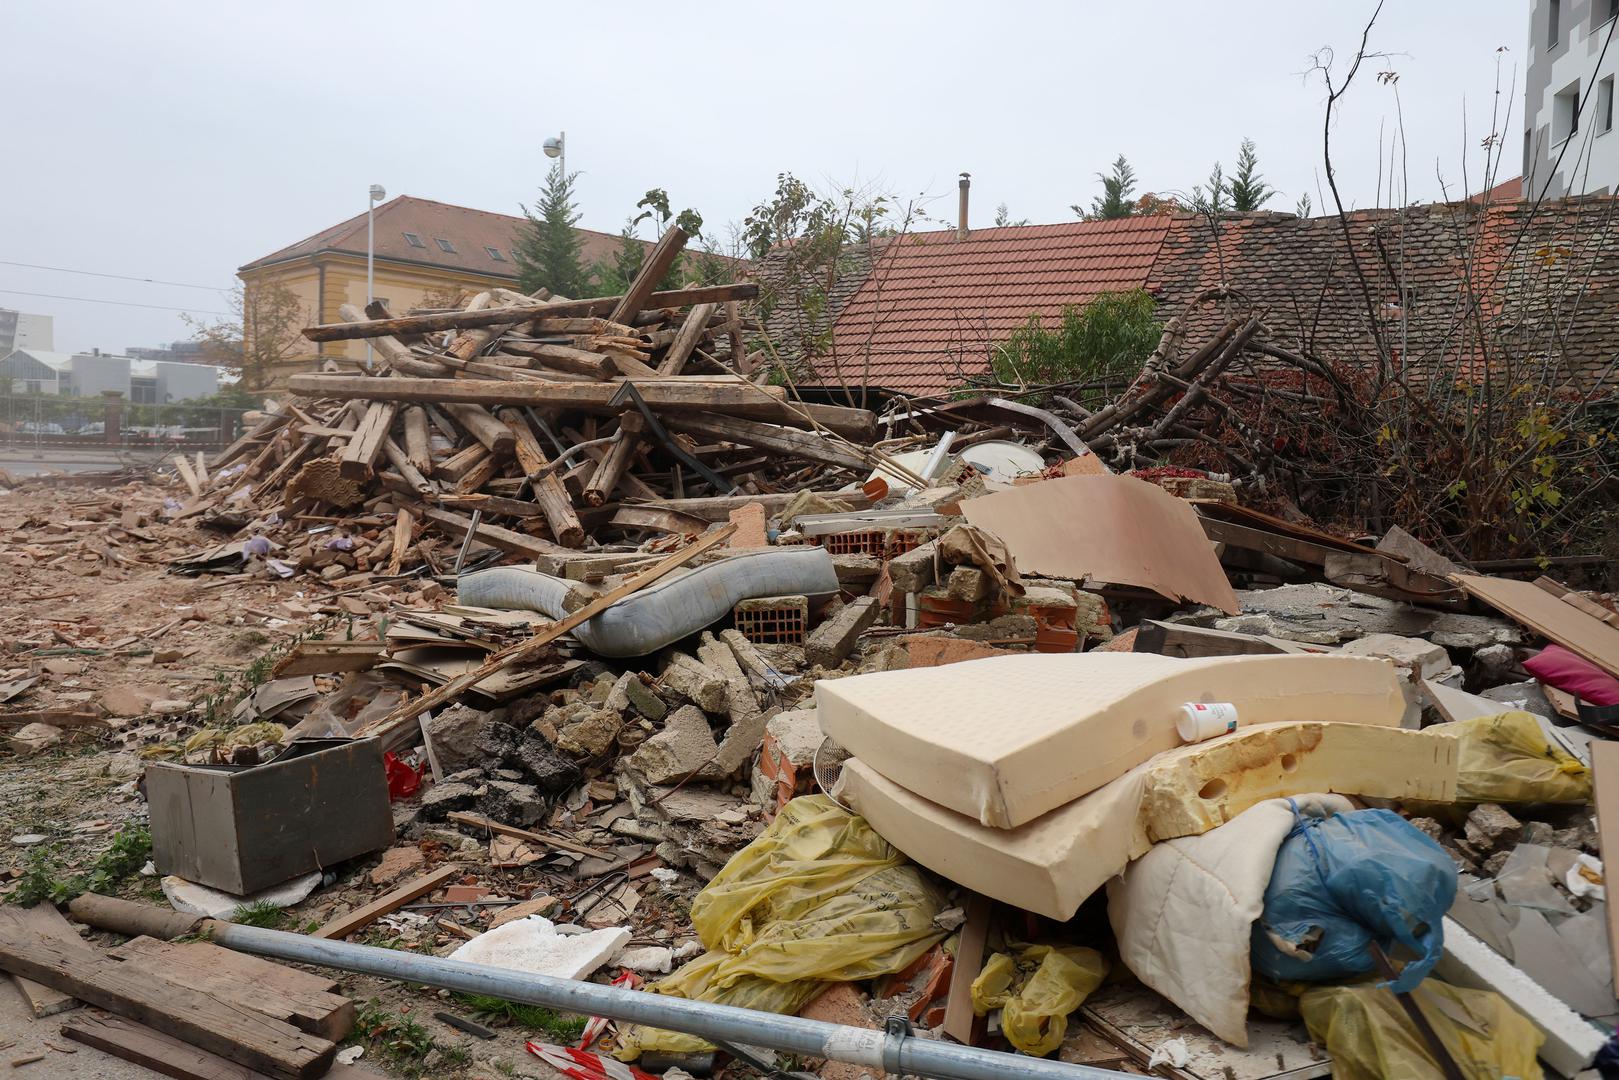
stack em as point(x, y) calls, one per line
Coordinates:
point(512, 804)
point(592, 735)
point(683, 746)
point(1524, 696)
point(968, 583)
point(1422, 659)
point(856, 571)
point(835, 639)
point(629, 692)
point(443, 798)
point(552, 773)
point(32, 738)
point(1490, 828)
point(913, 571)
point(695, 681)
point(457, 735)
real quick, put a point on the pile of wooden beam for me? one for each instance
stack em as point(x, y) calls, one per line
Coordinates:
point(539, 423)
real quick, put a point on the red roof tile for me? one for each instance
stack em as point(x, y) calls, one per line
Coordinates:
point(926, 316)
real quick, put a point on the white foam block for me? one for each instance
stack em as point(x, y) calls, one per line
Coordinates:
point(1008, 738)
point(1053, 863)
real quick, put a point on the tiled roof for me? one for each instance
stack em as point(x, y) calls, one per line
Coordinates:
point(470, 232)
point(925, 317)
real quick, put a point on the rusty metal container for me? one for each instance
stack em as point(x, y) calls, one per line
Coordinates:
point(247, 828)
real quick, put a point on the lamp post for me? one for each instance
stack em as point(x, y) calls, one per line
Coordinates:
point(558, 148)
point(377, 195)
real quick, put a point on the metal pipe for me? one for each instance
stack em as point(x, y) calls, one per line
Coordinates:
point(937, 458)
point(894, 1050)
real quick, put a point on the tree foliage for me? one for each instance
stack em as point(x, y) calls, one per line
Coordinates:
point(261, 332)
point(1114, 202)
point(1213, 200)
point(1248, 189)
point(547, 247)
point(1003, 217)
point(1111, 336)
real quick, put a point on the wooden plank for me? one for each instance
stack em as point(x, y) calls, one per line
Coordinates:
point(563, 358)
point(742, 399)
point(612, 468)
point(137, 1043)
point(959, 1021)
point(45, 920)
point(654, 268)
point(243, 981)
point(245, 1037)
point(549, 493)
point(806, 445)
point(652, 517)
point(478, 821)
point(512, 654)
point(483, 426)
point(686, 339)
point(1605, 787)
point(183, 467)
point(404, 524)
point(1379, 575)
point(329, 657)
point(460, 320)
point(1548, 616)
point(515, 543)
point(418, 444)
point(359, 918)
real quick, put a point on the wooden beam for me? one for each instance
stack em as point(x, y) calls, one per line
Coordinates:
point(483, 426)
point(360, 455)
point(478, 821)
point(740, 398)
point(183, 467)
point(807, 445)
point(515, 543)
point(461, 320)
point(654, 268)
point(404, 525)
point(386, 904)
point(409, 710)
point(46, 921)
point(463, 461)
point(652, 517)
point(245, 1037)
point(549, 493)
point(395, 353)
point(612, 467)
point(686, 339)
point(329, 657)
point(563, 358)
point(418, 443)
point(398, 459)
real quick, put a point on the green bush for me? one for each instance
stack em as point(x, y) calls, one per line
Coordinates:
point(1110, 336)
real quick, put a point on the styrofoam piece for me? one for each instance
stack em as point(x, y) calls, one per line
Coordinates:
point(1008, 738)
point(533, 945)
point(647, 959)
point(1052, 864)
point(1571, 1043)
point(193, 899)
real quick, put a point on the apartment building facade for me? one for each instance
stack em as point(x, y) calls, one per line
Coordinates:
point(1569, 145)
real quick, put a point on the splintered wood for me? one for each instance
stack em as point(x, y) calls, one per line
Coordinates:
point(540, 424)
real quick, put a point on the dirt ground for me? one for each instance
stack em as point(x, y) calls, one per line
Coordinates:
point(92, 612)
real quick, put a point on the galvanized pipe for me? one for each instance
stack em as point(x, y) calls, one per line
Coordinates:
point(892, 1051)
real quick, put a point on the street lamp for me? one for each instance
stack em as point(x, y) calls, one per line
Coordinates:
point(558, 148)
point(377, 195)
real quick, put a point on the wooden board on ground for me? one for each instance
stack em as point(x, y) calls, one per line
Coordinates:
point(959, 1021)
point(242, 1035)
point(282, 993)
point(137, 1043)
point(328, 657)
point(1138, 1020)
point(344, 925)
point(45, 920)
point(1605, 787)
point(1549, 616)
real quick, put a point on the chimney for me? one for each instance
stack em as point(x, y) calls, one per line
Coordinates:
point(961, 223)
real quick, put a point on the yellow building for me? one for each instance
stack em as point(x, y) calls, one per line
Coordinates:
point(423, 249)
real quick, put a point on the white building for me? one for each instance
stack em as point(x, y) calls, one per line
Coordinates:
point(143, 382)
point(21, 330)
point(1569, 147)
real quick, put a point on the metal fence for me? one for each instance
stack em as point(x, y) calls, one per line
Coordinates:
point(50, 420)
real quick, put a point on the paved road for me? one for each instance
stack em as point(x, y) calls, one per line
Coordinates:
point(23, 461)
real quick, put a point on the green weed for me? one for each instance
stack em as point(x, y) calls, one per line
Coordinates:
point(263, 913)
point(44, 879)
point(556, 1026)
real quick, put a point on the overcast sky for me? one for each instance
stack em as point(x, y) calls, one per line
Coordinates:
point(178, 140)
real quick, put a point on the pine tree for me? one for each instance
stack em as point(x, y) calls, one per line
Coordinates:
point(547, 248)
point(613, 275)
point(1114, 202)
point(1303, 207)
point(1212, 201)
point(1247, 188)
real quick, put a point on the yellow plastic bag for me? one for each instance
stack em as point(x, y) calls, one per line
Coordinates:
point(818, 898)
point(1507, 759)
point(1370, 1037)
point(1037, 991)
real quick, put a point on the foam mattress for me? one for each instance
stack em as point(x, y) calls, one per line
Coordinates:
point(1006, 739)
point(1053, 863)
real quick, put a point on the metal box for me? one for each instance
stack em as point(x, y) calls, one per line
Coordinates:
point(247, 828)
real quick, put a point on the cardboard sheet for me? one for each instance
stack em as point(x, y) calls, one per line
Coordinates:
point(1605, 787)
point(1548, 616)
point(1052, 864)
point(1112, 529)
point(1008, 738)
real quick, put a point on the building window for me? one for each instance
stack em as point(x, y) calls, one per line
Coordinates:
point(1603, 12)
point(444, 245)
point(1553, 11)
point(1605, 106)
point(413, 240)
point(1566, 112)
point(494, 252)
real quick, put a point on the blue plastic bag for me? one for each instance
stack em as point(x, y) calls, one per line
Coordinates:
point(1345, 881)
